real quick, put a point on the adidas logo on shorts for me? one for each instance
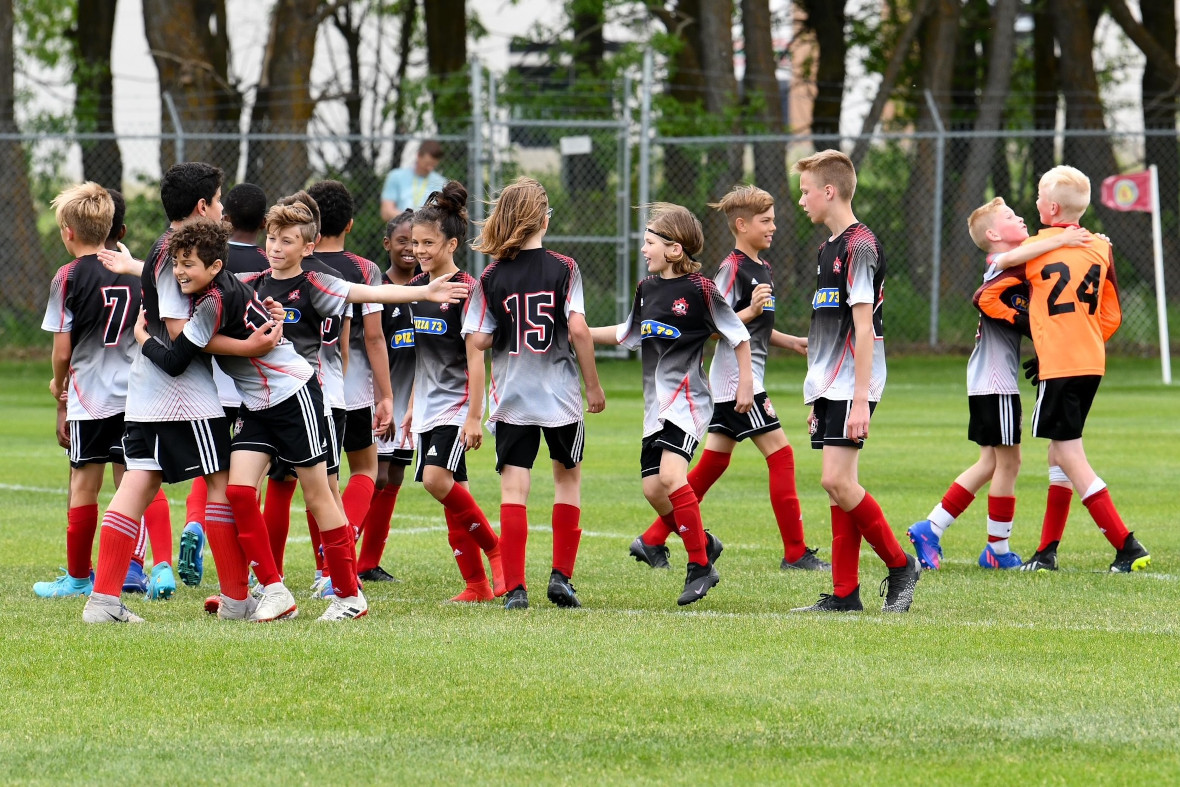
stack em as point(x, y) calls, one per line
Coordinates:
point(432, 452)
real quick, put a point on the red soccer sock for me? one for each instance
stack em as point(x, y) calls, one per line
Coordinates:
point(140, 551)
point(463, 506)
point(356, 498)
point(956, 500)
point(514, 535)
point(340, 557)
point(317, 544)
point(233, 570)
point(157, 519)
point(195, 503)
point(82, 522)
point(845, 552)
point(711, 466)
point(657, 534)
point(870, 520)
point(465, 550)
point(376, 528)
point(252, 532)
point(784, 499)
point(687, 512)
point(566, 537)
point(1002, 511)
point(1056, 514)
point(1106, 516)
point(116, 542)
point(277, 516)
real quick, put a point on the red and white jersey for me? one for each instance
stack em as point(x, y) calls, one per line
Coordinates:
point(736, 280)
point(358, 377)
point(442, 393)
point(152, 394)
point(525, 303)
point(98, 309)
point(243, 258)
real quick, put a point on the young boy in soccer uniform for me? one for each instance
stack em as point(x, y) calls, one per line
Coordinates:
point(395, 448)
point(993, 396)
point(746, 283)
point(89, 311)
point(448, 395)
point(1073, 310)
point(845, 380)
point(675, 312)
point(528, 308)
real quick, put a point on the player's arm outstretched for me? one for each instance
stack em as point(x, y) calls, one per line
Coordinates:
point(120, 261)
point(1070, 236)
point(440, 290)
point(788, 342)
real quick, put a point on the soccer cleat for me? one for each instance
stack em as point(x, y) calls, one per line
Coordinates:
point(518, 598)
point(162, 583)
point(474, 593)
point(228, 608)
point(499, 586)
point(1132, 557)
point(697, 582)
point(561, 592)
point(830, 602)
point(346, 608)
point(377, 574)
point(276, 603)
point(322, 588)
point(191, 563)
point(926, 544)
point(136, 581)
point(257, 590)
point(1042, 560)
point(64, 586)
point(898, 587)
point(107, 609)
point(989, 559)
point(809, 562)
point(654, 556)
point(713, 547)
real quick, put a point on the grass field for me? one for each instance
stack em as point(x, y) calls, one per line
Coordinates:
point(991, 678)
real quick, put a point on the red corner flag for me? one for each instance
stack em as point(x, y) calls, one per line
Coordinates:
point(1128, 192)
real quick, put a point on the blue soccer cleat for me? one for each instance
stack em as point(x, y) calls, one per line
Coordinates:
point(191, 564)
point(989, 559)
point(162, 584)
point(64, 586)
point(136, 581)
point(926, 545)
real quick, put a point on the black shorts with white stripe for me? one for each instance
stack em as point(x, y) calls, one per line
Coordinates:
point(1063, 404)
point(830, 427)
point(98, 442)
point(670, 438)
point(517, 445)
point(178, 450)
point(357, 434)
point(443, 447)
point(738, 426)
point(995, 419)
point(333, 425)
point(293, 431)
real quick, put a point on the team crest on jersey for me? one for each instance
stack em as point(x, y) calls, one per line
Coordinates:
point(293, 295)
point(769, 408)
point(291, 314)
point(680, 307)
point(653, 329)
point(837, 265)
point(442, 307)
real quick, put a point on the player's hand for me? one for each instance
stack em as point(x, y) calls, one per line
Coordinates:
point(264, 339)
point(1032, 371)
point(800, 345)
point(857, 428)
point(56, 391)
point(812, 422)
point(595, 399)
point(745, 397)
point(760, 297)
point(1104, 237)
point(407, 435)
point(383, 416)
point(1075, 236)
point(472, 434)
point(63, 428)
point(141, 331)
point(277, 312)
point(120, 261)
point(443, 290)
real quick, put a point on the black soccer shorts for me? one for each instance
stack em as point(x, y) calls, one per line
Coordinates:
point(738, 426)
point(96, 441)
point(670, 438)
point(995, 419)
point(831, 423)
point(517, 445)
point(1063, 404)
point(442, 446)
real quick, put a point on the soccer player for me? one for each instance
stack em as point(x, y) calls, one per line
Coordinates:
point(845, 380)
point(675, 312)
point(395, 448)
point(745, 282)
point(528, 308)
point(993, 397)
point(1073, 310)
point(448, 394)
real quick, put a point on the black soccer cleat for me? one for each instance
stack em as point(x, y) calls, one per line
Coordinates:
point(697, 583)
point(809, 562)
point(830, 602)
point(713, 547)
point(377, 574)
point(561, 592)
point(1132, 557)
point(654, 556)
point(1044, 559)
point(517, 598)
point(898, 587)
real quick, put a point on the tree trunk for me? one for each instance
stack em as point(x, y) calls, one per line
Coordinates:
point(446, 60)
point(587, 19)
point(721, 98)
point(26, 275)
point(283, 103)
point(349, 25)
point(405, 37)
point(686, 87)
point(1045, 87)
point(102, 161)
point(826, 19)
point(190, 46)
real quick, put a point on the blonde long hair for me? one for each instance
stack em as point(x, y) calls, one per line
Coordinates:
point(519, 214)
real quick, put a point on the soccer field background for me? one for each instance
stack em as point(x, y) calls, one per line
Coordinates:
point(991, 678)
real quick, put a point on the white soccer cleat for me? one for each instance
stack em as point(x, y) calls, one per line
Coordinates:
point(107, 609)
point(276, 603)
point(346, 608)
point(233, 609)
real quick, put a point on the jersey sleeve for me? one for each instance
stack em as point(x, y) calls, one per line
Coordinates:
point(862, 268)
point(205, 321)
point(372, 278)
point(575, 299)
point(725, 320)
point(1110, 311)
point(989, 297)
point(629, 331)
point(726, 281)
point(328, 294)
point(59, 317)
point(479, 318)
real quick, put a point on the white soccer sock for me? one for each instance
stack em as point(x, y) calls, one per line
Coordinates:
point(1001, 530)
point(940, 520)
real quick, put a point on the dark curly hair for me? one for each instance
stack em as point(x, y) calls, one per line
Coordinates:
point(186, 184)
point(209, 239)
point(245, 207)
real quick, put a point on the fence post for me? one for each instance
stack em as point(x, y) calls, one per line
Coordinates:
point(175, 116)
point(645, 137)
point(936, 237)
point(477, 191)
point(623, 274)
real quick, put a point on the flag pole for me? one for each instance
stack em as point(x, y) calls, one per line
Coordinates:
point(1161, 302)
